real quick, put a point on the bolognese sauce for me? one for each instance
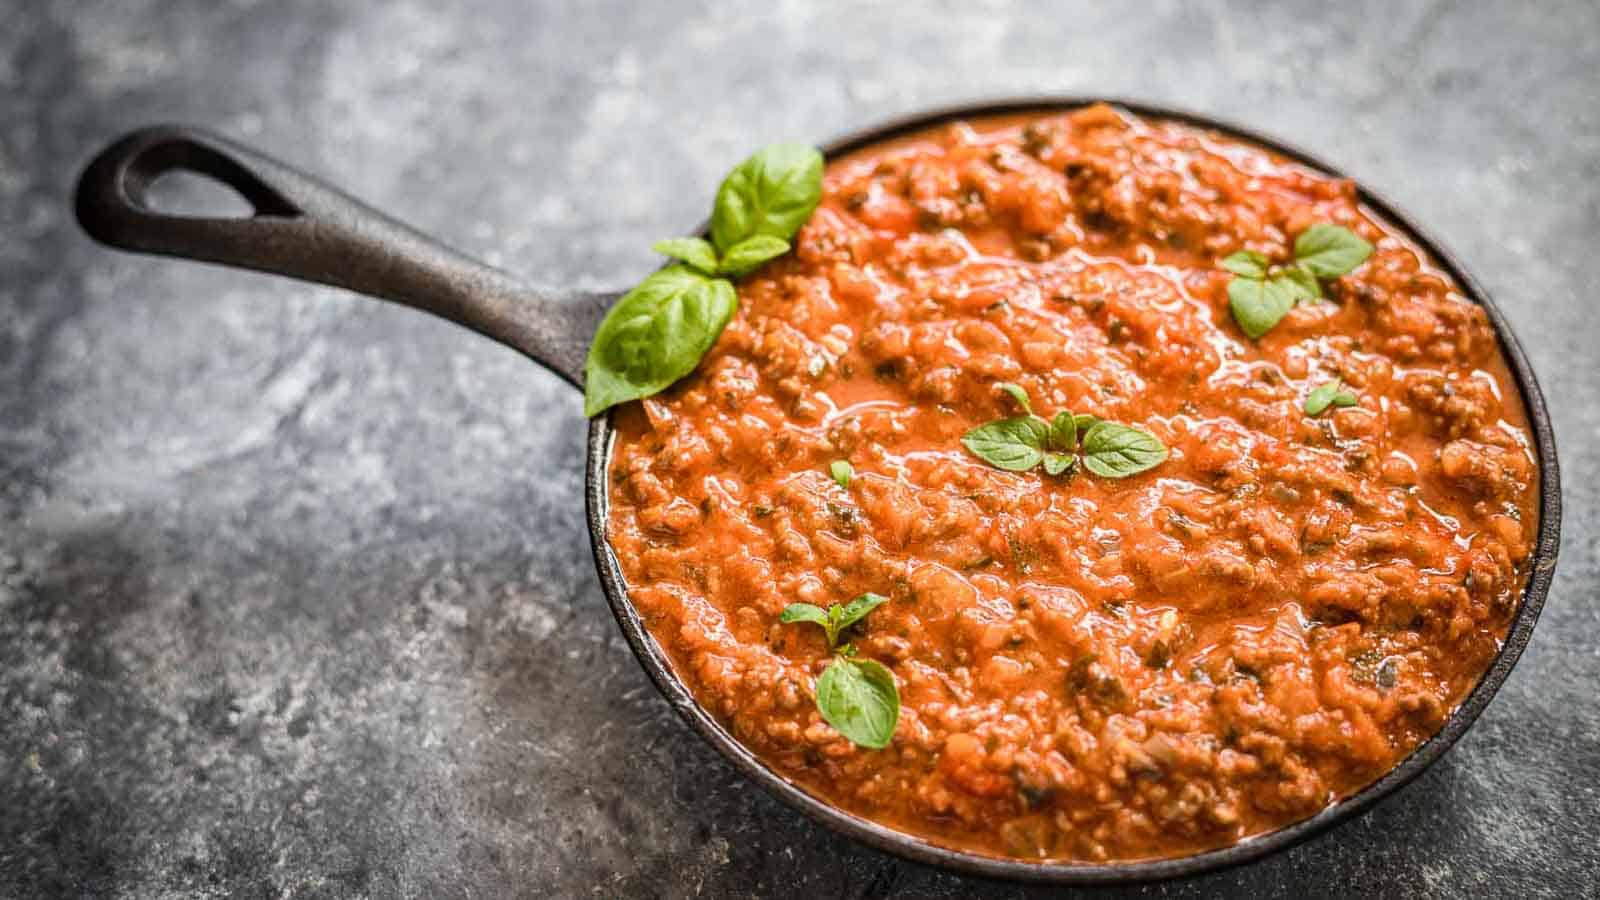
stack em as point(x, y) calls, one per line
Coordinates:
point(1089, 669)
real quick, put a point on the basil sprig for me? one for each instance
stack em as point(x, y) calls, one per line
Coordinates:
point(1020, 443)
point(835, 619)
point(858, 697)
point(659, 331)
point(1260, 294)
point(1328, 394)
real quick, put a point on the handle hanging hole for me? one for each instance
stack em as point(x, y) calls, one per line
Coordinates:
point(181, 192)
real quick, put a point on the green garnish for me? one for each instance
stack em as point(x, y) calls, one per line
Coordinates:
point(772, 193)
point(1020, 443)
point(1328, 394)
point(697, 252)
point(1064, 429)
point(1015, 392)
point(835, 619)
point(1258, 304)
point(1328, 251)
point(1247, 263)
point(750, 253)
point(858, 697)
point(842, 472)
point(1015, 444)
point(659, 331)
point(1111, 450)
point(1260, 294)
point(655, 335)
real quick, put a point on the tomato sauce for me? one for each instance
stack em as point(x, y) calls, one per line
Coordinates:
point(1089, 669)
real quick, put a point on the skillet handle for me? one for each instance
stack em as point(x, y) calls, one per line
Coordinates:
point(303, 228)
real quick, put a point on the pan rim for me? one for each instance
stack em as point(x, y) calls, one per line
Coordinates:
point(657, 665)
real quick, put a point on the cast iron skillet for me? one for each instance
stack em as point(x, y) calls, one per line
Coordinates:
point(306, 229)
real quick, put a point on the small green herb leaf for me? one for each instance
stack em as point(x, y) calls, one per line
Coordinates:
point(1016, 393)
point(1015, 444)
point(1111, 450)
point(1329, 251)
point(745, 256)
point(858, 697)
point(1084, 422)
point(1328, 394)
point(697, 252)
point(1056, 463)
point(804, 612)
point(848, 614)
point(655, 335)
point(1258, 304)
point(1321, 397)
point(842, 472)
point(1248, 263)
point(1304, 284)
point(1063, 434)
point(771, 193)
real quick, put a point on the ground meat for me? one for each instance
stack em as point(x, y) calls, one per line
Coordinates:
point(1484, 470)
point(1089, 669)
point(1454, 406)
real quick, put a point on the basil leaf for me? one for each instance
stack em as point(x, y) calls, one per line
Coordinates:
point(850, 613)
point(1329, 251)
point(1321, 397)
point(1299, 281)
point(1344, 398)
point(697, 252)
point(1248, 263)
point(750, 253)
point(1015, 444)
point(1056, 463)
point(1063, 434)
point(841, 471)
point(804, 612)
point(771, 193)
point(1084, 422)
point(1018, 394)
point(1111, 450)
point(655, 335)
point(1258, 304)
point(859, 699)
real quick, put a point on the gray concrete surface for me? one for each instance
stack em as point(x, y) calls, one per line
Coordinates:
point(295, 597)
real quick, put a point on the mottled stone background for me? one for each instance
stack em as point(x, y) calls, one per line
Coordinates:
point(295, 595)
